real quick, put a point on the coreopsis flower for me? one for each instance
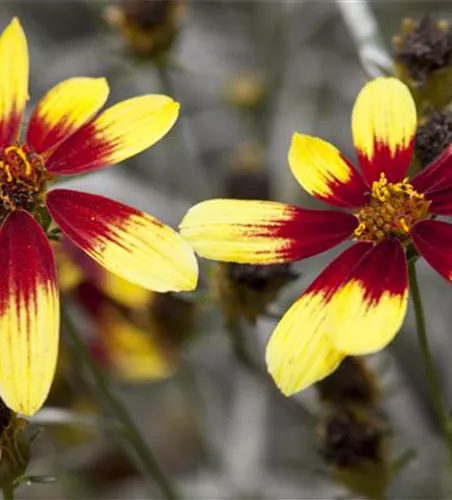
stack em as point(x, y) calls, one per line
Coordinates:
point(358, 303)
point(136, 333)
point(66, 135)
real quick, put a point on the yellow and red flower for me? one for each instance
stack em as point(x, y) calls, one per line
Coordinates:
point(66, 135)
point(358, 303)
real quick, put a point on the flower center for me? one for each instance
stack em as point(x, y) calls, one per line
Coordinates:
point(392, 210)
point(22, 178)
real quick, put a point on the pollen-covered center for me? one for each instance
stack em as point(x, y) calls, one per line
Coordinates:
point(22, 178)
point(392, 210)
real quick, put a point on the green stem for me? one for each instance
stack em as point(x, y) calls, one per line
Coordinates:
point(147, 459)
point(432, 376)
point(8, 492)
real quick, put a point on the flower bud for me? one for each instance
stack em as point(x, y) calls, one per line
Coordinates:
point(148, 27)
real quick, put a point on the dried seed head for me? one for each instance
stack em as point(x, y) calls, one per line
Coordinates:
point(146, 14)
point(149, 27)
point(423, 47)
point(172, 319)
point(245, 291)
point(433, 136)
point(350, 439)
point(351, 384)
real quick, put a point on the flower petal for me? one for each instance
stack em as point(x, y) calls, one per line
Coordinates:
point(14, 82)
point(383, 125)
point(323, 172)
point(440, 202)
point(433, 240)
point(29, 314)
point(122, 131)
point(131, 351)
point(63, 110)
point(113, 286)
point(368, 308)
point(262, 232)
point(437, 176)
point(300, 352)
point(125, 241)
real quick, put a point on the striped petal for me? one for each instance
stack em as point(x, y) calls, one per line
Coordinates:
point(383, 125)
point(116, 288)
point(437, 176)
point(368, 308)
point(300, 352)
point(323, 172)
point(433, 240)
point(13, 82)
point(29, 314)
point(122, 131)
point(262, 232)
point(125, 241)
point(63, 110)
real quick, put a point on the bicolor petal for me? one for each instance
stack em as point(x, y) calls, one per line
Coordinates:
point(433, 240)
point(13, 81)
point(323, 172)
point(63, 110)
point(369, 307)
point(125, 241)
point(29, 314)
point(384, 125)
point(113, 286)
point(120, 132)
point(435, 177)
point(262, 232)
point(300, 351)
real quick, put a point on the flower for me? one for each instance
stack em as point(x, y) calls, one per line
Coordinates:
point(135, 333)
point(358, 303)
point(65, 135)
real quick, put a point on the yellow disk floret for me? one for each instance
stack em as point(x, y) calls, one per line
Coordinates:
point(391, 211)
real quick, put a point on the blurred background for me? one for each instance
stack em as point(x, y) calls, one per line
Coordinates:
point(190, 368)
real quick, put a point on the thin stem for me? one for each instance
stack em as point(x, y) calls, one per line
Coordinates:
point(8, 492)
point(147, 459)
point(432, 376)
